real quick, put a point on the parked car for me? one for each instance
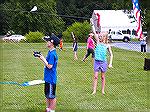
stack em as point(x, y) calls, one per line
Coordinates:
point(118, 35)
point(145, 33)
point(14, 38)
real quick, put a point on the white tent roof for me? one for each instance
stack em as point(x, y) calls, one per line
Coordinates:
point(114, 18)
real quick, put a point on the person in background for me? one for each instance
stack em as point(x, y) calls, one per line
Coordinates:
point(75, 46)
point(61, 41)
point(90, 47)
point(143, 43)
point(61, 44)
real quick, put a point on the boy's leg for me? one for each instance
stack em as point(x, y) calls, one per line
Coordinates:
point(53, 104)
point(50, 90)
point(103, 82)
point(95, 80)
point(47, 103)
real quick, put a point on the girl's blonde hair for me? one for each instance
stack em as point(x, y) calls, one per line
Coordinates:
point(103, 37)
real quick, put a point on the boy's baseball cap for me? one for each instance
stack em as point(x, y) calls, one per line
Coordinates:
point(54, 39)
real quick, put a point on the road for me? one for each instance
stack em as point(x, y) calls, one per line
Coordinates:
point(1, 36)
point(133, 46)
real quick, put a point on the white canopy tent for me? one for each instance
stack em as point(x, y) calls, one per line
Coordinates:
point(104, 20)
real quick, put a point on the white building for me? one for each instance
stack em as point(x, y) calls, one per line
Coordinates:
point(106, 20)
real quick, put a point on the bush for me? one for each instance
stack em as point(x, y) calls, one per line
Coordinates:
point(81, 30)
point(34, 37)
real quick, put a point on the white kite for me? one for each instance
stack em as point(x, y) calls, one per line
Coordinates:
point(28, 83)
point(34, 9)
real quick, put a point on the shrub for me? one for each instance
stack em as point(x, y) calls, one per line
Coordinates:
point(34, 37)
point(81, 30)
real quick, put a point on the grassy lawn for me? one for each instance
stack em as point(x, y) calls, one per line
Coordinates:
point(127, 84)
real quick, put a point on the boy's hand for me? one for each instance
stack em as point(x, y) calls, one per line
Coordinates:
point(37, 54)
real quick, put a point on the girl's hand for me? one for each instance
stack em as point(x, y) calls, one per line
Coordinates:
point(110, 66)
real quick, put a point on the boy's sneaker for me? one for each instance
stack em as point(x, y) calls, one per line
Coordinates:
point(47, 110)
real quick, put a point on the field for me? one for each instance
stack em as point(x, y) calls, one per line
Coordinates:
point(127, 84)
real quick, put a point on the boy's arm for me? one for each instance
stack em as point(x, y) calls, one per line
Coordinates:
point(45, 62)
point(111, 56)
point(40, 56)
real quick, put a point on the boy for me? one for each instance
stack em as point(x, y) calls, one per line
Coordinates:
point(50, 72)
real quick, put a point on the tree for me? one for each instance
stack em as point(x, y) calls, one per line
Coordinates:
point(145, 6)
point(81, 30)
point(79, 10)
point(16, 16)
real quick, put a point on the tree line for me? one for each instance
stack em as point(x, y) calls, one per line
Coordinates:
point(57, 15)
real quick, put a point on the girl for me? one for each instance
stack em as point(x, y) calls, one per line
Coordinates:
point(75, 46)
point(100, 60)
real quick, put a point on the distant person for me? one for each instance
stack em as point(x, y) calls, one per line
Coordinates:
point(100, 60)
point(61, 44)
point(143, 43)
point(90, 47)
point(75, 46)
point(61, 41)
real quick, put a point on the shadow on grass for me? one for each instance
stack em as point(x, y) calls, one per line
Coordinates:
point(64, 110)
point(42, 110)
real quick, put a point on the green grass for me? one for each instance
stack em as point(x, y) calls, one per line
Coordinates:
point(127, 84)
